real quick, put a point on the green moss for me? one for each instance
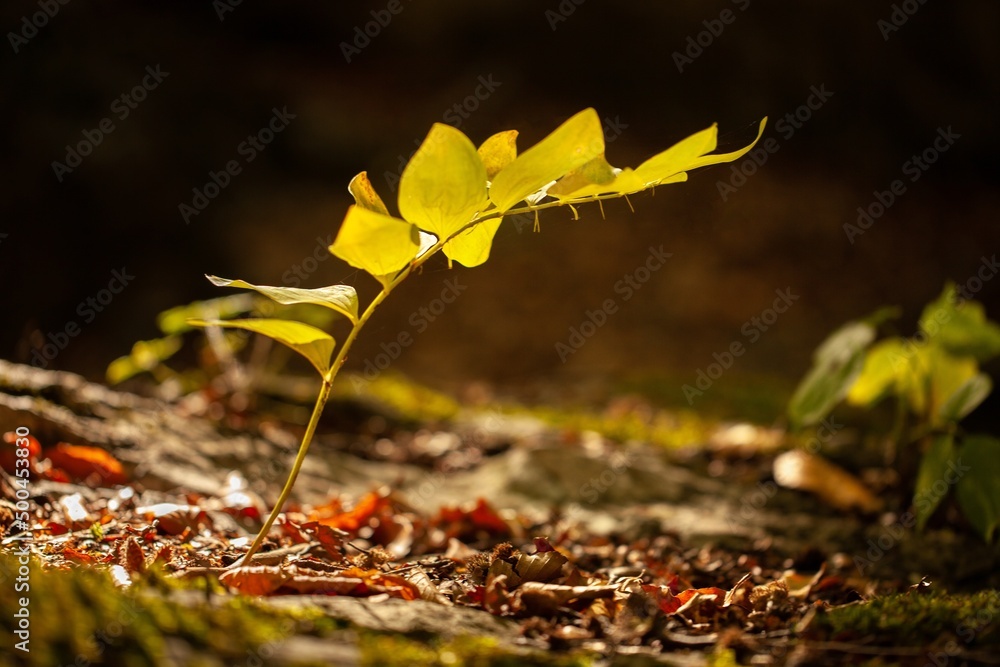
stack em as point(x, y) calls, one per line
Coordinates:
point(672, 430)
point(742, 396)
point(383, 650)
point(403, 398)
point(80, 614)
point(915, 620)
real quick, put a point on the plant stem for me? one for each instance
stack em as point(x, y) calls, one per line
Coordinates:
point(324, 394)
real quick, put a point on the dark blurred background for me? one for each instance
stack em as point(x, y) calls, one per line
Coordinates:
point(228, 66)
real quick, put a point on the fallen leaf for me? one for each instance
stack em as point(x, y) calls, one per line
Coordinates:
point(838, 488)
point(367, 507)
point(87, 464)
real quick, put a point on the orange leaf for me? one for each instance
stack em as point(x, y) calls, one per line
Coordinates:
point(719, 594)
point(255, 579)
point(370, 504)
point(89, 464)
point(457, 521)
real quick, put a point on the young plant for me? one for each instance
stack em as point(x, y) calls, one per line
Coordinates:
point(452, 199)
point(934, 381)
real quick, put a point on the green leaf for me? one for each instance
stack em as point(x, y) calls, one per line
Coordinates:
point(837, 363)
point(145, 356)
point(573, 144)
point(339, 298)
point(688, 154)
point(978, 488)
point(312, 343)
point(934, 467)
point(966, 398)
point(175, 320)
point(472, 247)
point(380, 244)
point(443, 186)
point(947, 376)
point(960, 326)
point(884, 368)
point(364, 194)
point(498, 151)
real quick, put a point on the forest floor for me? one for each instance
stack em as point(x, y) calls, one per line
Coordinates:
point(427, 531)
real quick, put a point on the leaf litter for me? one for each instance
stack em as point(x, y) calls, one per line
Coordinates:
point(565, 587)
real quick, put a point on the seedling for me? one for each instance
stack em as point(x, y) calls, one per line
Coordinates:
point(452, 199)
point(934, 381)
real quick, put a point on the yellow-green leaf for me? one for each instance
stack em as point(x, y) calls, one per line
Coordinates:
point(960, 326)
point(676, 159)
point(472, 247)
point(312, 343)
point(595, 172)
point(572, 145)
point(444, 184)
point(364, 194)
point(948, 375)
point(885, 367)
point(688, 154)
point(706, 160)
point(498, 151)
point(340, 298)
point(175, 320)
point(966, 398)
point(380, 244)
point(145, 356)
point(625, 182)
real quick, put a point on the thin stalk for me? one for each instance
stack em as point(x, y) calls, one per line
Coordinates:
point(324, 394)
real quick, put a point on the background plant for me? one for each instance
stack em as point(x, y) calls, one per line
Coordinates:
point(933, 380)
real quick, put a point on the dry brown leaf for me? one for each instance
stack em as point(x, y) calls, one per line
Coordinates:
point(838, 488)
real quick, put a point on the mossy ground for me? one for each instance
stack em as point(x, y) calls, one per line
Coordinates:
point(909, 619)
